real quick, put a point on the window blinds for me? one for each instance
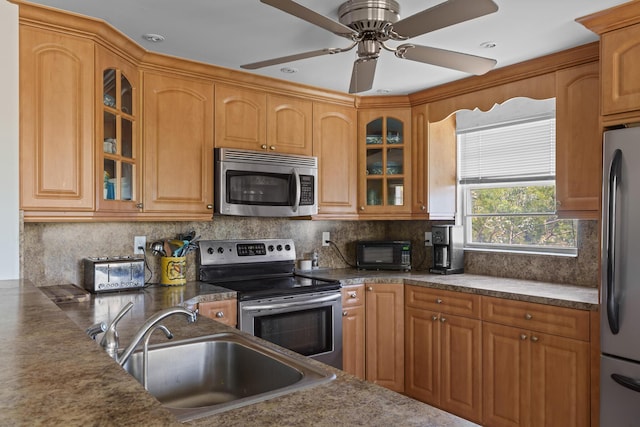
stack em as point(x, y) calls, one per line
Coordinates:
point(511, 153)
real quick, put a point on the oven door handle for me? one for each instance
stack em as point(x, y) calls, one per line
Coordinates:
point(297, 304)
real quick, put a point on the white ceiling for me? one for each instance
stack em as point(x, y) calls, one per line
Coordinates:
point(230, 33)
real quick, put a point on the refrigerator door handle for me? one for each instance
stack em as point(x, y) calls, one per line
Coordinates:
point(615, 172)
point(627, 382)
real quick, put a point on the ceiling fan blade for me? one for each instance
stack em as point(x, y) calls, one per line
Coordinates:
point(288, 58)
point(446, 58)
point(309, 15)
point(443, 15)
point(364, 70)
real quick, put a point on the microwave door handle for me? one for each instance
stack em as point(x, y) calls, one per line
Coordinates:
point(296, 201)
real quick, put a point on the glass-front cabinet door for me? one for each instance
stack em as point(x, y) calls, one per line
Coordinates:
point(384, 161)
point(117, 139)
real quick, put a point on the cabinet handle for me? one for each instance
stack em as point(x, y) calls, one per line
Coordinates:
point(438, 301)
point(528, 316)
point(353, 295)
point(523, 337)
point(263, 146)
point(139, 205)
point(345, 313)
point(209, 206)
point(442, 319)
point(434, 317)
point(370, 288)
point(534, 338)
point(220, 314)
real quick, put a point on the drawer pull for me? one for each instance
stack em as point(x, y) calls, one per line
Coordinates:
point(353, 295)
point(220, 314)
point(442, 319)
point(534, 338)
point(370, 288)
point(528, 316)
point(438, 301)
point(345, 313)
point(523, 337)
point(434, 317)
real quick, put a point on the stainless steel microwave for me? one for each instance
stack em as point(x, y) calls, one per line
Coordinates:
point(256, 183)
point(383, 255)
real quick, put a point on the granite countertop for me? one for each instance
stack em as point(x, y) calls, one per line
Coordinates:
point(51, 373)
point(571, 296)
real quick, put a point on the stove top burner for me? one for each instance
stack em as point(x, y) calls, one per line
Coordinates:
point(278, 286)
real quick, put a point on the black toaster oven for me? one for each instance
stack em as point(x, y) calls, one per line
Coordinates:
point(383, 255)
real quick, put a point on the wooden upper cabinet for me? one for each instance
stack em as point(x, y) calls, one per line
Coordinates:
point(240, 118)
point(384, 162)
point(178, 146)
point(620, 58)
point(433, 153)
point(578, 142)
point(56, 122)
point(335, 146)
point(289, 125)
point(117, 134)
point(254, 120)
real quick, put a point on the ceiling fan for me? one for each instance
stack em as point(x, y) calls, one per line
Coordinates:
point(370, 23)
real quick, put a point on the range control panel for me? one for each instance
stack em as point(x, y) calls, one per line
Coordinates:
point(223, 252)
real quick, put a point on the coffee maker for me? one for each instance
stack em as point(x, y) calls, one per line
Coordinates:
point(448, 255)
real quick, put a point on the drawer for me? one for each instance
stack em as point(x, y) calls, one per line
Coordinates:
point(561, 321)
point(352, 295)
point(450, 302)
point(225, 311)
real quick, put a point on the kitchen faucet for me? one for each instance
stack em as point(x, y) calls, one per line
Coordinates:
point(110, 341)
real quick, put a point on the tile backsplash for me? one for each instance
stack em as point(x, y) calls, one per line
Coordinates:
point(53, 252)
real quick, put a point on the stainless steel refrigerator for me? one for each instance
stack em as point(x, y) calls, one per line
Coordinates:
point(620, 294)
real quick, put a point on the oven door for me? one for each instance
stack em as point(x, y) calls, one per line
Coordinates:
point(309, 324)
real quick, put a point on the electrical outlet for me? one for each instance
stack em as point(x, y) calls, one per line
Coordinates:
point(139, 242)
point(325, 238)
point(427, 239)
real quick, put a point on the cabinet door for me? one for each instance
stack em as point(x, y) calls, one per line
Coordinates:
point(384, 162)
point(225, 311)
point(334, 144)
point(117, 135)
point(461, 369)
point(559, 381)
point(506, 376)
point(385, 335)
point(353, 340)
point(433, 153)
point(289, 125)
point(178, 145)
point(619, 53)
point(578, 142)
point(56, 122)
point(422, 355)
point(240, 118)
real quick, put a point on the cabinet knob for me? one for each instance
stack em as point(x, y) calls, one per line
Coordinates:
point(344, 313)
point(558, 203)
point(272, 147)
point(523, 337)
point(442, 319)
point(534, 338)
point(423, 208)
point(434, 317)
point(361, 208)
point(220, 314)
point(209, 206)
point(353, 295)
point(139, 205)
point(370, 288)
point(438, 301)
point(528, 316)
point(263, 146)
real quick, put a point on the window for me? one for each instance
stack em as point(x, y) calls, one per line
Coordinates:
point(506, 172)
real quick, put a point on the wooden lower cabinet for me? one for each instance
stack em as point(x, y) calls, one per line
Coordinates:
point(443, 355)
point(224, 311)
point(534, 379)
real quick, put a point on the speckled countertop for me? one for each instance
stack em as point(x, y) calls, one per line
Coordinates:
point(51, 373)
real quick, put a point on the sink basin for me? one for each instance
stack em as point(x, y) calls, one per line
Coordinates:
point(202, 376)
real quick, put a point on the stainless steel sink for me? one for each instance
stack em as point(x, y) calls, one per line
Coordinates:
point(202, 376)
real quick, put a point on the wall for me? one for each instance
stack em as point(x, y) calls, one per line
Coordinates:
point(55, 251)
point(9, 209)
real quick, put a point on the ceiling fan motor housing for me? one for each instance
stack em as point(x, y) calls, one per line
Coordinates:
point(369, 15)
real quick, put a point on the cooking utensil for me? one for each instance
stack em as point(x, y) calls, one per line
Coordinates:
point(157, 249)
